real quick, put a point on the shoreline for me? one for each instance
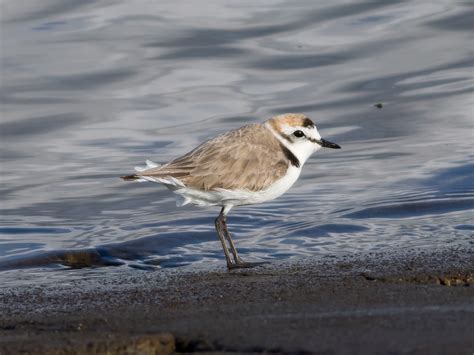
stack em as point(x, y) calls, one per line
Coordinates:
point(414, 302)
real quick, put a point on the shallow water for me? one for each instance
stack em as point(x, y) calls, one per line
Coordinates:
point(90, 89)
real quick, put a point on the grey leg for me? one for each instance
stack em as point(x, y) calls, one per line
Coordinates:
point(232, 248)
point(225, 237)
point(221, 234)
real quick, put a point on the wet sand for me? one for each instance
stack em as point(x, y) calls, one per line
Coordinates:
point(416, 302)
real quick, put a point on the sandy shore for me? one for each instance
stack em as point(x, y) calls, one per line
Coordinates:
point(418, 302)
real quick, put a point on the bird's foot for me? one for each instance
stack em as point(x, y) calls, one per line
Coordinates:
point(245, 264)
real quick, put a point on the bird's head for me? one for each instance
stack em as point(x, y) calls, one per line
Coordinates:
point(299, 134)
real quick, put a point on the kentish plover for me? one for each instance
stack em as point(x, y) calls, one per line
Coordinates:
point(252, 164)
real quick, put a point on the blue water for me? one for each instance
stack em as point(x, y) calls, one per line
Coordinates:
point(90, 89)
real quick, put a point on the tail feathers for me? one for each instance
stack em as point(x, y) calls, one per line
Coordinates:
point(171, 182)
point(130, 177)
point(149, 165)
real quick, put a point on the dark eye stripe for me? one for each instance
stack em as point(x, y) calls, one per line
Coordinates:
point(285, 136)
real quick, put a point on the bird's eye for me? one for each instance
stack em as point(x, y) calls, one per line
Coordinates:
point(298, 133)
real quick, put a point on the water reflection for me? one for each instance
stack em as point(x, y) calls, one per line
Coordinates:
point(91, 89)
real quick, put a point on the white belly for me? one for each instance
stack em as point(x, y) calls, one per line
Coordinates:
point(221, 197)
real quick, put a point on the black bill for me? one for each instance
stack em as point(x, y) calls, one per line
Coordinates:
point(327, 144)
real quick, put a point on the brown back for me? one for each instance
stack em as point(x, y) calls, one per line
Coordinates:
point(248, 158)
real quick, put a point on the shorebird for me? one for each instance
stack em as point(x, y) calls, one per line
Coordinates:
point(251, 164)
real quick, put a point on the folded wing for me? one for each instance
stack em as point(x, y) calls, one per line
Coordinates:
point(248, 158)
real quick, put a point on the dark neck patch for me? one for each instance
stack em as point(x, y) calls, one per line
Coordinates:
point(290, 156)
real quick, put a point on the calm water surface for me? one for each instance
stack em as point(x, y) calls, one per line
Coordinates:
point(90, 89)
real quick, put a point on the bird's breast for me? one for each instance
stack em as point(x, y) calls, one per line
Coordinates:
point(278, 188)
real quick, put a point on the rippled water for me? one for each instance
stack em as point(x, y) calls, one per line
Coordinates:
point(90, 89)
